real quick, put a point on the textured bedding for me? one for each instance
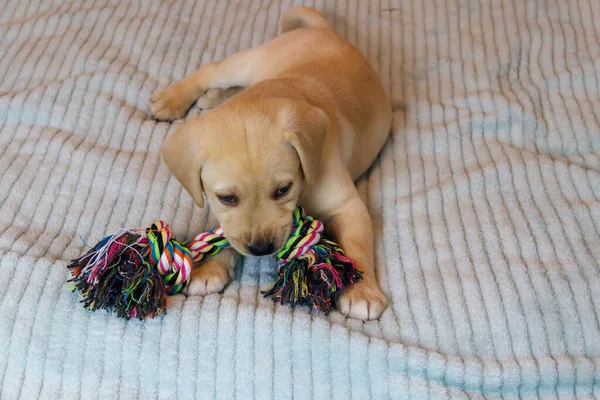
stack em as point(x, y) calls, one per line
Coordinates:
point(485, 201)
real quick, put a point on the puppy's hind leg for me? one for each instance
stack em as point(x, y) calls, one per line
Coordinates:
point(240, 69)
point(214, 97)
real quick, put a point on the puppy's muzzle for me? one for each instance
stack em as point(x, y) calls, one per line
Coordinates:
point(261, 248)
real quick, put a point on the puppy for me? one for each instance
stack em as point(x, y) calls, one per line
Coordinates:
point(311, 117)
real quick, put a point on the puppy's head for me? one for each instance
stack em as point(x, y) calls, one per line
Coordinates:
point(251, 160)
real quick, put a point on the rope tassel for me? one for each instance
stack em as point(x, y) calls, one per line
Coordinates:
point(311, 270)
point(132, 272)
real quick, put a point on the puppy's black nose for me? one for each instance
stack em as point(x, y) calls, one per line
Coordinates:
point(261, 248)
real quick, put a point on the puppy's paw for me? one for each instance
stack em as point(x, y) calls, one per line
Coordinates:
point(210, 277)
point(169, 104)
point(362, 300)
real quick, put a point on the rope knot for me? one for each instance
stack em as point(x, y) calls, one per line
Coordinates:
point(307, 232)
point(172, 260)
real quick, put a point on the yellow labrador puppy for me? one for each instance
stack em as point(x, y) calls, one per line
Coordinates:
point(311, 119)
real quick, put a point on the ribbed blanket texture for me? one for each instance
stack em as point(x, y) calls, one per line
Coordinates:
point(485, 202)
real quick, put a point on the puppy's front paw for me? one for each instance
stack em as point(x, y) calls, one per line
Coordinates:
point(170, 103)
point(210, 277)
point(362, 300)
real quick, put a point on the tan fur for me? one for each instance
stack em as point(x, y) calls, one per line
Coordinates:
point(313, 113)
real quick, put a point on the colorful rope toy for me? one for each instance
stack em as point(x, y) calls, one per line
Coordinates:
point(132, 272)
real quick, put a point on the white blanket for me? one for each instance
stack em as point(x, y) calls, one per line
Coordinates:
point(485, 202)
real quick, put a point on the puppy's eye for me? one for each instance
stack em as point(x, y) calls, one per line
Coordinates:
point(227, 199)
point(283, 190)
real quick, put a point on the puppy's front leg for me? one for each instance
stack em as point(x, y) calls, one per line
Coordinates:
point(351, 226)
point(213, 274)
point(239, 69)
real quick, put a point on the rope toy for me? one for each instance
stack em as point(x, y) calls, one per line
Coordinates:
point(132, 272)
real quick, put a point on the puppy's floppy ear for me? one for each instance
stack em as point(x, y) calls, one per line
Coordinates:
point(183, 154)
point(306, 131)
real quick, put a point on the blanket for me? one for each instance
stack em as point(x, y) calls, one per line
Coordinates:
point(485, 203)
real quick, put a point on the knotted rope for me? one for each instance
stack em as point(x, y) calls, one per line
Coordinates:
point(131, 273)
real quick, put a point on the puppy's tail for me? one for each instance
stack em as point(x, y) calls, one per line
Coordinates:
point(302, 17)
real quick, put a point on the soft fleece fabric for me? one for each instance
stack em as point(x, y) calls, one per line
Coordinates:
point(485, 202)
